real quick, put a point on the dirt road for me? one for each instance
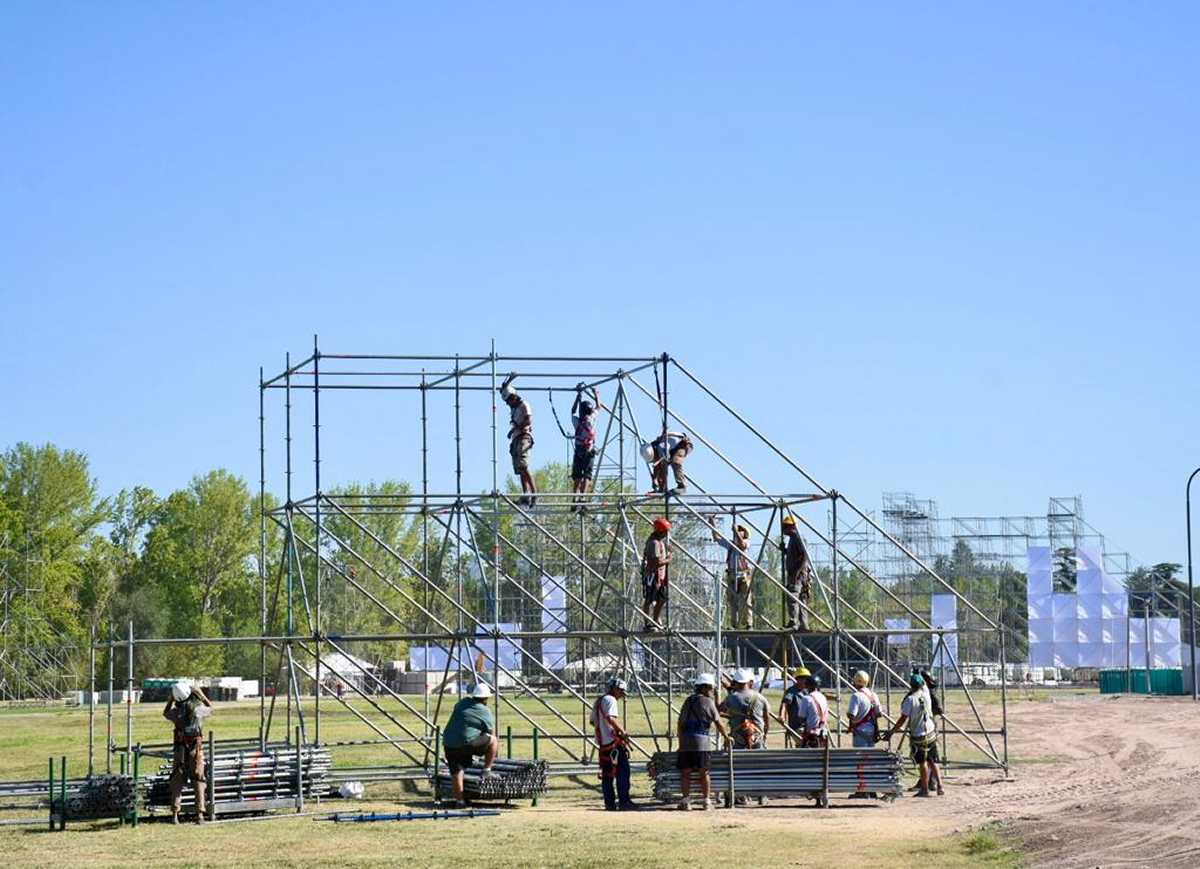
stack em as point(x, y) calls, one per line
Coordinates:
point(1114, 781)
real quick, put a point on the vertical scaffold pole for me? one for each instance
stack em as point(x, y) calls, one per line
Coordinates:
point(1003, 692)
point(92, 701)
point(425, 531)
point(289, 548)
point(667, 515)
point(108, 736)
point(129, 694)
point(458, 511)
point(262, 562)
point(837, 616)
point(317, 521)
point(496, 544)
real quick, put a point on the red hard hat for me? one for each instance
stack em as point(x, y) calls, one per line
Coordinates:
point(661, 524)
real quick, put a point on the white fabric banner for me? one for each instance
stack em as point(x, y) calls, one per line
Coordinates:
point(554, 618)
point(943, 613)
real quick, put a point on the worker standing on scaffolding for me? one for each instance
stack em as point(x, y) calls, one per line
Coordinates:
point(738, 588)
point(670, 448)
point(655, 558)
point(797, 573)
point(520, 439)
point(583, 414)
point(186, 708)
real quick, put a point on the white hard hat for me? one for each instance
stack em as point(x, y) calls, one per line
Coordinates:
point(742, 676)
point(704, 679)
point(181, 690)
point(481, 691)
point(617, 682)
point(648, 452)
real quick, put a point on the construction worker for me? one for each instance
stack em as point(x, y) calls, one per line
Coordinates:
point(470, 733)
point(186, 708)
point(749, 716)
point(797, 575)
point(655, 558)
point(789, 709)
point(582, 418)
point(697, 715)
point(670, 448)
point(814, 713)
point(738, 586)
point(613, 744)
point(520, 439)
point(917, 712)
point(863, 711)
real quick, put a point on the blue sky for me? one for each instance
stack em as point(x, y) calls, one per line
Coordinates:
point(949, 250)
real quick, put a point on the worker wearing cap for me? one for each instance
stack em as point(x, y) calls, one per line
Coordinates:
point(186, 708)
point(655, 558)
point(797, 575)
point(520, 439)
point(789, 709)
point(863, 711)
point(470, 733)
point(814, 712)
point(613, 743)
point(670, 448)
point(917, 712)
point(739, 589)
point(697, 715)
point(583, 414)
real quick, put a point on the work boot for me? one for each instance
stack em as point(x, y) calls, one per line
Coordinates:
point(629, 807)
point(707, 805)
point(199, 817)
point(685, 805)
point(175, 818)
point(924, 792)
point(742, 801)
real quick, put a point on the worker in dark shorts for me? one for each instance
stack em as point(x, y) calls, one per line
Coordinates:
point(670, 449)
point(520, 439)
point(470, 733)
point(583, 414)
point(655, 558)
point(917, 712)
point(186, 708)
point(797, 575)
point(697, 715)
point(790, 709)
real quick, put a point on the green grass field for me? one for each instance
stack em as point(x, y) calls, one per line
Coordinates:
point(567, 828)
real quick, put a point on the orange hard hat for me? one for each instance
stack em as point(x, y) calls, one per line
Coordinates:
point(661, 524)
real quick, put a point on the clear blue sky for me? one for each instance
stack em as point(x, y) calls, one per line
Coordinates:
point(952, 250)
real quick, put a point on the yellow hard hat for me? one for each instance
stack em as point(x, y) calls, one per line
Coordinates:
point(789, 520)
point(802, 672)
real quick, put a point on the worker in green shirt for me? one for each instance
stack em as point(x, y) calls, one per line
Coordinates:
point(470, 733)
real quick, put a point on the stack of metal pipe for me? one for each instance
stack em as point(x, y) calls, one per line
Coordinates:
point(510, 780)
point(789, 772)
point(246, 781)
point(104, 796)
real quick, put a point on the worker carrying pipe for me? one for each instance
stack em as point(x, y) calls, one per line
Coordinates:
point(186, 708)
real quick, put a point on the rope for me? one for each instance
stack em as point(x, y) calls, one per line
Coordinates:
point(557, 421)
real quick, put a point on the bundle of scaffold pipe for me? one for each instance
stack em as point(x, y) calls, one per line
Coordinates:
point(509, 780)
point(250, 780)
point(439, 815)
point(789, 772)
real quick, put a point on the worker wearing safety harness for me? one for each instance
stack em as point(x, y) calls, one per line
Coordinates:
point(797, 575)
point(814, 712)
point(520, 439)
point(864, 711)
point(789, 709)
point(583, 414)
point(747, 710)
point(670, 448)
point(187, 708)
point(655, 558)
point(613, 744)
point(917, 712)
point(739, 590)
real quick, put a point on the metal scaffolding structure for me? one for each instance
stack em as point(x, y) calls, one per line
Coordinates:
point(35, 659)
point(469, 583)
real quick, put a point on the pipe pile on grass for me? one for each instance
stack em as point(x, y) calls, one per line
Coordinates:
point(510, 780)
point(248, 777)
point(105, 796)
point(788, 772)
